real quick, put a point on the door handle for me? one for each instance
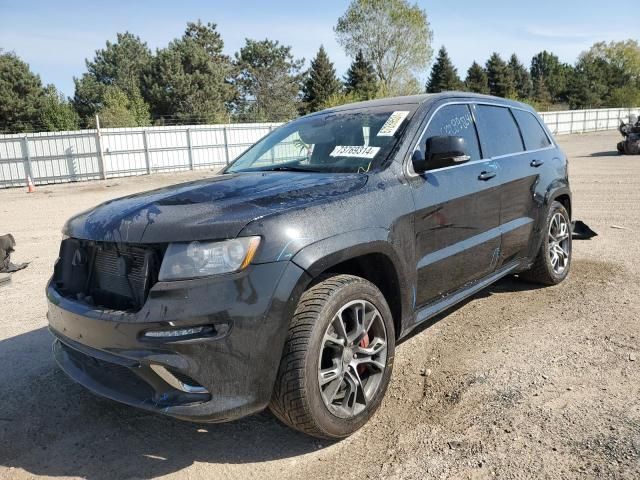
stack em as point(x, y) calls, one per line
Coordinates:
point(487, 175)
point(536, 163)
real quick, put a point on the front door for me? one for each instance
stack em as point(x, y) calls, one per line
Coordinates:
point(457, 212)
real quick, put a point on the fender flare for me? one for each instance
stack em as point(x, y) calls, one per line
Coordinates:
point(317, 257)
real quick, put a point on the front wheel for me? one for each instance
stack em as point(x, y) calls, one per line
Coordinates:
point(553, 262)
point(337, 360)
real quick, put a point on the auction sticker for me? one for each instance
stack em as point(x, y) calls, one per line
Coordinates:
point(354, 151)
point(392, 124)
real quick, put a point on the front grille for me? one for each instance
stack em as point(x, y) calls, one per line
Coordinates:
point(109, 275)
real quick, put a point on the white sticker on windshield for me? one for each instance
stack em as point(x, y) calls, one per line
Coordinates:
point(353, 151)
point(392, 124)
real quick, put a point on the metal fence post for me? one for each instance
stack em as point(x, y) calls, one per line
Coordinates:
point(147, 159)
point(27, 157)
point(571, 125)
point(190, 149)
point(103, 172)
point(584, 125)
point(226, 146)
point(597, 117)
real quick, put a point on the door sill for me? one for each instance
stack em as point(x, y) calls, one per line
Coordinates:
point(433, 309)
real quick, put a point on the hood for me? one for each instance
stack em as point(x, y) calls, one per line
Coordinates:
point(215, 208)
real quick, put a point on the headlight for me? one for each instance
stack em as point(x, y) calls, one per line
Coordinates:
point(202, 259)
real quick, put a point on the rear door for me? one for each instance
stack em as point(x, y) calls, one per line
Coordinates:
point(502, 140)
point(457, 212)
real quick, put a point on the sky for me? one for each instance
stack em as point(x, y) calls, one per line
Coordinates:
point(55, 38)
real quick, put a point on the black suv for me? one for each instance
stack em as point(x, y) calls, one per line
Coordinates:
point(286, 280)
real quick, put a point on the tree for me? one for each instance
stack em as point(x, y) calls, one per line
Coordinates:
point(190, 80)
point(444, 76)
point(547, 65)
point(521, 78)
point(117, 109)
point(477, 80)
point(21, 95)
point(57, 113)
point(608, 74)
point(361, 81)
point(122, 64)
point(499, 77)
point(541, 94)
point(269, 81)
point(321, 83)
point(392, 34)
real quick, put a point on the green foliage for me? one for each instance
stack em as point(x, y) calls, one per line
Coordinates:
point(321, 83)
point(477, 80)
point(541, 94)
point(21, 95)
point(116, 110)
point(342, 98)
point(122, 64)
point(361, 80)
point(608, 74)
point(521, 78)
point(555, 75)
point(190, 80)
point(500, 79)
point(56, 112)
point(444, 76)
point(393, 35)
point(269, 82)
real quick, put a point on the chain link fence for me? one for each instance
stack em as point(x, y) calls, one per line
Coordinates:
point(60, 157)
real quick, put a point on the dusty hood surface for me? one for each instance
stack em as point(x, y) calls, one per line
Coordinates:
point(214, 208)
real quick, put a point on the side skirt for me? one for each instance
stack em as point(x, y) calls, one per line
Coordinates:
point(433, 309)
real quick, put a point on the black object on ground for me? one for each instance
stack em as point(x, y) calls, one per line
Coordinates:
point(7, 244)
point(581, 231)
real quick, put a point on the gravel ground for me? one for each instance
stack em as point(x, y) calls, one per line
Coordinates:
point(519, 382)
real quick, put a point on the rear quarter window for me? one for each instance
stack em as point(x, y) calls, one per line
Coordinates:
point(499, 133)
point(534, 135)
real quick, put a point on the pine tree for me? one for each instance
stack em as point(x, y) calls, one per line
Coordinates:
point(499, 76)
point(476, 80)
point(541, 93)
point(321, 83)
point(521, 78)
point(444, 76)
point(361, 80)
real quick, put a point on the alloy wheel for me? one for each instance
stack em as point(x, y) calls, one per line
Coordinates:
point(559, 243)
point(353, 358)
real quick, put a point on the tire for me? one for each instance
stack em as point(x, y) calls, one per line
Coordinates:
point(298, 398)
point(543, 270)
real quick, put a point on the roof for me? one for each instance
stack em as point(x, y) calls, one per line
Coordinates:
point(423, 98)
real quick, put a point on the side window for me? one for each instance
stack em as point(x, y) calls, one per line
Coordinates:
point(457, 121)
point(533, 133)
point(499, 134)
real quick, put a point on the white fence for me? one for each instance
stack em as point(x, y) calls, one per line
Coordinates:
point(582, 121)
point(61, 157)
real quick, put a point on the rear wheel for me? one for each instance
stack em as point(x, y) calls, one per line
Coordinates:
point(337, 360)
point(554, 258)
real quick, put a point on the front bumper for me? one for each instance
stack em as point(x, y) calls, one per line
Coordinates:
point(234, 368)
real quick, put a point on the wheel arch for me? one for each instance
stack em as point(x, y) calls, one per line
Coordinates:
point(365, 253)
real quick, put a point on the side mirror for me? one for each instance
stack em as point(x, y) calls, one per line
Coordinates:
point(441, 152)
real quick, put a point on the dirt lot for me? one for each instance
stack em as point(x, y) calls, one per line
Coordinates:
point(519, 382)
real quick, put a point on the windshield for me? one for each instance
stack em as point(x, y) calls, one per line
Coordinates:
point(352, 141)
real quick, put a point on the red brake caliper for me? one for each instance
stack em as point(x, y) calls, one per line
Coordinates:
point(364, 343)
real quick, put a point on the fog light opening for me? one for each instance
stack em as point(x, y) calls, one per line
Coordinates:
point(175, 382)
point(178, 333)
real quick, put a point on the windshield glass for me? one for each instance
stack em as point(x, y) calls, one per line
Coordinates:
point(357, 140)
